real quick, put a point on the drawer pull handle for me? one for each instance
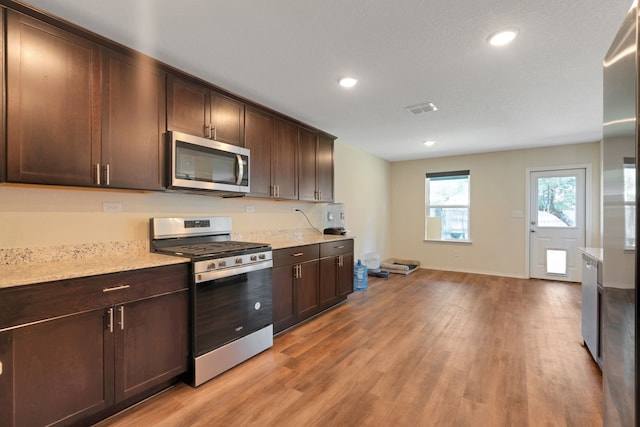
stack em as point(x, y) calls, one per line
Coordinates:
point(340, 247)
point(116, 288)
point(298, 254)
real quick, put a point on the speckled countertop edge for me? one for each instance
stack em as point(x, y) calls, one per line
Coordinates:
point(25, 266)
point(595, 253)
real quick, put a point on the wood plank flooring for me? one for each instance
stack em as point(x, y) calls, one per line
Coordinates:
point(429, 349)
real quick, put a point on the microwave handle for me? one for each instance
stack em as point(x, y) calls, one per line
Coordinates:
point(240, 169)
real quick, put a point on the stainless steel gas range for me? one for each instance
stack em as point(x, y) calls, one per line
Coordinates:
point(231, 292)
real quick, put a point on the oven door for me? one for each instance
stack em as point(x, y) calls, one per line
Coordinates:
point(202, 164)
point(229, 308)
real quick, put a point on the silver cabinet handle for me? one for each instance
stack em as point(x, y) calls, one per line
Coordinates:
point(110, 321)
point(121, 310)
point(98, 173)
point(339, 247)
point(298, 254)
point(299, 272)
point(116, 288)
point(0, 367)
point(107, 174)
point(240, 169)
point(215, 133)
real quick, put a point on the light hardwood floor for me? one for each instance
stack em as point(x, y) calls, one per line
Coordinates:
point(429, 349)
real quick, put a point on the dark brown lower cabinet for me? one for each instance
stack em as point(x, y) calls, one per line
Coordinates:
point(151, 343)
point(336, 271)
point(308, 279)
point(79, 366)
point(56, 372)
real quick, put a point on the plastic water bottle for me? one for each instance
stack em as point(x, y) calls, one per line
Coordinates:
point(360, 277)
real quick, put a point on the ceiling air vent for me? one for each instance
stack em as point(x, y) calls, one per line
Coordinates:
point(421, 108)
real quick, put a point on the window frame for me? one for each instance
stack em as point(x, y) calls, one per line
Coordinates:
point(452, 174)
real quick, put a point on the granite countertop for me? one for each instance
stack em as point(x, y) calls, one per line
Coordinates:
point(25, 266)
point(41, 272)
point(306, 239)
point(595, 253)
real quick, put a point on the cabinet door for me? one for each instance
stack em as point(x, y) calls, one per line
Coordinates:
point(284, 303)
point(259, 138)
point(188, 108)
point(307, 292)
point(227, 119)
point(344, 277)
point(133, 123)
point(324, 175)
point(307, 165)
point(285, 161)
point(56, 372)
point(151, 342)
point(328, 280)
point(53, 114)
point(3, 145)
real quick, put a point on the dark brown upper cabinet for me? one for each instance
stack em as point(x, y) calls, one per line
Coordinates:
point(273, 144)
point(315, 162)
point(133, 122)
point(80, 114)
point(285, 164)
point(199, 111)
point(53, 105)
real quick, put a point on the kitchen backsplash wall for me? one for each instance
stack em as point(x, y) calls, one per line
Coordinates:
point(43, 216)
point(50, 217)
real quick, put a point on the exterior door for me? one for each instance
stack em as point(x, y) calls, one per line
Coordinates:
point(557, 223)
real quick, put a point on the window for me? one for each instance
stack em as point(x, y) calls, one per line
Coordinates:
point(447, 201)
point(629, 203)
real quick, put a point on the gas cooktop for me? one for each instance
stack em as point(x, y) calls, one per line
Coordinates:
point(212, 249)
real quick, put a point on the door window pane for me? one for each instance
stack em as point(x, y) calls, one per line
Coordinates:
point(557, 261)
point(557, 201)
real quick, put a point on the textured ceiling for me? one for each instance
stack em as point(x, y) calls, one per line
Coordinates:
point(544, 89)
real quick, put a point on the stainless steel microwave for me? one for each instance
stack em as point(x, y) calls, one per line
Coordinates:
point(200, 164)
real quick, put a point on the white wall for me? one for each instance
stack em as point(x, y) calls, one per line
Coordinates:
point(362, 183)
point(498, 187)
point(45, 216)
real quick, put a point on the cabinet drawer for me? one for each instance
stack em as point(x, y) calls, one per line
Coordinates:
point(32, 303)
point(336, 248)
point(295, 255)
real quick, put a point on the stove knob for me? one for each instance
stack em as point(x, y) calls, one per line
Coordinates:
point(239, 260)
point(211, 266)
point(222, 264)
point(262, 256)
point(254, 258)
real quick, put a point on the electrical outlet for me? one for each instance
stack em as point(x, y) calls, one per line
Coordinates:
point(456, 254)
point(111, 207)
point(249, 209)
point(294, 210)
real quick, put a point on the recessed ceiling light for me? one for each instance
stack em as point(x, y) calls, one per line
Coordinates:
point(347, 82)
point(429, 143)
point(504, 37)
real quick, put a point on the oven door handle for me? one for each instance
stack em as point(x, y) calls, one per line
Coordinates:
point(240, 169)
point(233, 271)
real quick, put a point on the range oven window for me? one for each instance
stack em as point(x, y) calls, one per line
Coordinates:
point(231, 307)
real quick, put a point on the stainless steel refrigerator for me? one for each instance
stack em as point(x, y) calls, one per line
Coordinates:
point(619, 183)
